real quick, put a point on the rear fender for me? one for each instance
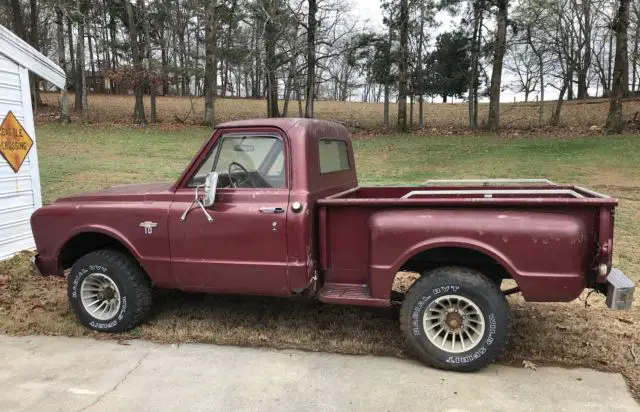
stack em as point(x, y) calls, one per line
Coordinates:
point(382, 276)
point(545, 252)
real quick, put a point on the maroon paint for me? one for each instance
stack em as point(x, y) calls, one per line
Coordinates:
point(347, 243)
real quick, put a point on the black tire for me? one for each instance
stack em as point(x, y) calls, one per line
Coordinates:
point(131, 281)
point(472, 286)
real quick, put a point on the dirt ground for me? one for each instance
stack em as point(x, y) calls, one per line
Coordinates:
point(570, 334)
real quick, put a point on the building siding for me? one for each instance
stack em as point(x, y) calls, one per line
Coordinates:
point(20, 191)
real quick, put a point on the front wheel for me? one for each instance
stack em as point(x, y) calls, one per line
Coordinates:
point(109, 292)
point(456, 318)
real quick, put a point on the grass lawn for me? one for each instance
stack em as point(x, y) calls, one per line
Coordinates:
point(77, 158)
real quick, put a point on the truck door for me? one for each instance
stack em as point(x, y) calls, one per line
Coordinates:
point(244, 248)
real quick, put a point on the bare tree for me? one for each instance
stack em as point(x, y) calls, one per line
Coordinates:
point(311, 58)
point(81, 75)
point(138, 112)
point(498, 56)
point(615, 123)
point(211, 73)
point(522, 61)
point(149, 65)
point(403, 71)
point(62, 61)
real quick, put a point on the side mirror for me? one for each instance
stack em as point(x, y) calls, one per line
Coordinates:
point(208, 197)
point(210, 188)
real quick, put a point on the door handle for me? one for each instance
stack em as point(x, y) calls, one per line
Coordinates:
point(271, 210)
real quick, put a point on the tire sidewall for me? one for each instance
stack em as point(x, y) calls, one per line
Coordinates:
point(491, 343)
point(85, 267)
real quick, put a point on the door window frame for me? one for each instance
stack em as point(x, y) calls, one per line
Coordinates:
point(207, 150)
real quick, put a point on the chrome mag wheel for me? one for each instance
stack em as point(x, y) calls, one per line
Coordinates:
point(453, 323)
point(100, 296)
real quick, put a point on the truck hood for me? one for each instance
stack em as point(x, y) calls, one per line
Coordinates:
point(131, 193)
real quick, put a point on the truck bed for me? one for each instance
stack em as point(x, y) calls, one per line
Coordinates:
point(549, 237)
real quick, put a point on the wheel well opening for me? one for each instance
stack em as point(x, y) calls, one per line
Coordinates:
point(84, 243)
point(448, 256)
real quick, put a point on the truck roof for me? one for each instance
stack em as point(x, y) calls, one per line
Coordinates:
point(313, 127)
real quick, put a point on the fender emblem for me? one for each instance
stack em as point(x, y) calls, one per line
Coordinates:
point(148, 227)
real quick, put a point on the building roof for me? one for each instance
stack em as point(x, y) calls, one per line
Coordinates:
point(24, 54)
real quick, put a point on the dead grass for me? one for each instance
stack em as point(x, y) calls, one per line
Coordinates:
point(562, 334)
point(356, 115)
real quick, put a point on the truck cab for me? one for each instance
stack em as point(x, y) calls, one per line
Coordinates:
point(264, 235)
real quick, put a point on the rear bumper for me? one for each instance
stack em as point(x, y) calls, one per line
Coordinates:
point(620, 290)
point(46, 267)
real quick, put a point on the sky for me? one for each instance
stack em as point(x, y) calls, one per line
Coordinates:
point(370, 9)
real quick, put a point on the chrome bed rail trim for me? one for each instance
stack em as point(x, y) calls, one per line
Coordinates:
point(436, 182)
point(490, 192)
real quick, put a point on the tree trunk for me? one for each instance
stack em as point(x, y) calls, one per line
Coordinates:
point(615, 123)
point(570, 78)
point(311, 59)
point(139, 116)
point(18, 19)
point(35, 42)
point(91, 61)
point(114, 43)
point(420, 71)
point(542, 87)
point(150, 69)
point(585, 65)
point(496, 76)
point(634, 63)
point(271, 34)
point(77, 72)
point(412, 99)
point(555, 117)
point(475, 40)
point(72, 54)
point(299, 98)
point(211, 71)
point(403, 66)
point(81, 75)
point(610, 65)
point(62, 62)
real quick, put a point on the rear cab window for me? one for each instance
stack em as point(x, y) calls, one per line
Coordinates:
point(333, 155)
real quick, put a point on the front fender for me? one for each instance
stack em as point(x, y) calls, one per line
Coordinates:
point(55, 225)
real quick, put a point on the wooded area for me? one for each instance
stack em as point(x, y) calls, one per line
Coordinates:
point(294, 52)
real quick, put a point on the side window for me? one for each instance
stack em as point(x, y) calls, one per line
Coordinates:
point(334, 156)
point(244, 162)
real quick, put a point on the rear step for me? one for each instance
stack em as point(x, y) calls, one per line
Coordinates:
point(348, 294)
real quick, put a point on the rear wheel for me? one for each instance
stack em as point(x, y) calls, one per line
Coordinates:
point(109, 292)
point(456, 318)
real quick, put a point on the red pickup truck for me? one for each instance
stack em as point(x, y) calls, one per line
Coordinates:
point(273, 207)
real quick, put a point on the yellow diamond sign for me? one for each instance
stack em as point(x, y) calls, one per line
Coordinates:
point(15, 142)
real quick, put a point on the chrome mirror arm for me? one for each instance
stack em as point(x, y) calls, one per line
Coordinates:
point(197, 201)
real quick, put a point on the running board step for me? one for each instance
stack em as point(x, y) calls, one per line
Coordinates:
point(348, 294)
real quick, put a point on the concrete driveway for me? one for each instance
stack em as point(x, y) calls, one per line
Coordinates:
point(64, 374)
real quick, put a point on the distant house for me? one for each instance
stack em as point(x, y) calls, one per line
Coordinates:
point(20, 192)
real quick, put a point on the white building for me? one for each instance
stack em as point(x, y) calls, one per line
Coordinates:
point(20, 192)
